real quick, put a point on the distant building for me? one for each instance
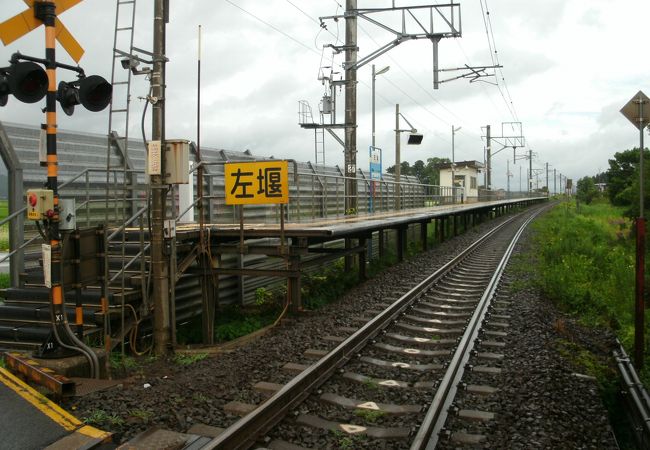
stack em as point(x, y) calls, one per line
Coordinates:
point(465, 176)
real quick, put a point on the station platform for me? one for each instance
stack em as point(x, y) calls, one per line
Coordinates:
point(337, 227)
point(28, 420)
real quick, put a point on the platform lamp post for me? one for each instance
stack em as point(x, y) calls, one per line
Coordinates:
point(637, 111)
point(414, 139)
point(453, 161)
point(374, 76)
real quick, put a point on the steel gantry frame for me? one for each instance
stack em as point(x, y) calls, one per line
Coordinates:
point(448, 14)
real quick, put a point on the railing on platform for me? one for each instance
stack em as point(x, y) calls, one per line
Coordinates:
point(317, 195)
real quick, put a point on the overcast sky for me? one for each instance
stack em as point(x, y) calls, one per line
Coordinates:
point(568, 68)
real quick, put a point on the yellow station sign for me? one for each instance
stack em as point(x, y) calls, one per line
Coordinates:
point(257, 183)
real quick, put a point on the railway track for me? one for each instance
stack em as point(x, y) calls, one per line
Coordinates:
point(372, 388)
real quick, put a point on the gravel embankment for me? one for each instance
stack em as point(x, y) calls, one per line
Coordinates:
point(544, 407)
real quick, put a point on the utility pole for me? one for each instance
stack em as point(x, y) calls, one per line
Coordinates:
point(530, 170)
point(159, 265)
point(350, 107)
point(508, 175)
point(554, 181)
point(547, 188)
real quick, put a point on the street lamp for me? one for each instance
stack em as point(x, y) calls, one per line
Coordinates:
point(414, 139)
point(374, 75)
point(453, 160)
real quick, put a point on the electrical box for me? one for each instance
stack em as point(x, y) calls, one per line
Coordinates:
point(40, 204)
point(177, 157)
point(327, 104)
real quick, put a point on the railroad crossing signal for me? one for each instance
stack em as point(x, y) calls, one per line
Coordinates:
point(23, 23)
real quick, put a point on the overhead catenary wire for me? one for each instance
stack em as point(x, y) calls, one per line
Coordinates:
point(273, 27)
point(489, 32)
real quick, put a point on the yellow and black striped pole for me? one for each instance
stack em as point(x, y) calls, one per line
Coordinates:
point(46, 12)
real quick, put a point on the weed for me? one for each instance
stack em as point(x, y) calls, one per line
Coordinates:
point(2, 362)
point(263, 296)
point(143, 414)
point(187, 359)
point(321, 289)
point(101, 417)
point(371, 383)
point(118, 361)
point(370, 415)
point(199, 397)
point(5, 280)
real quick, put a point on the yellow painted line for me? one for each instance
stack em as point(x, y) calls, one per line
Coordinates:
point(58, 415)
point(40, 402)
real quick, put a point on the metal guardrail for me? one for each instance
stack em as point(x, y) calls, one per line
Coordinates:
point(635, 397)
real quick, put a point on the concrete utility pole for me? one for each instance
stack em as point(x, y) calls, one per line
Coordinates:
point(530, 170)
point(554, 181)
point(508, 175)
point(547, 188)
point(350, 107)
point(159, 265)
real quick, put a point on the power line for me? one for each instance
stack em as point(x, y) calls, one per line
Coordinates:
point(418, 84)
point(272, 27)
point(487, 21)
point(313, 19)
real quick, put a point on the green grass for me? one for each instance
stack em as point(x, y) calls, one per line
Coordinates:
point(369, 415)
point(100, 417)
point(186, 359)
point(327, 286)
point(5, 280)
point(586, 265)
point(118, 362)
point(4, 229)
point(143, 414)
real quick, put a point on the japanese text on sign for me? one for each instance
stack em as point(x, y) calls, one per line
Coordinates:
point(257, 183)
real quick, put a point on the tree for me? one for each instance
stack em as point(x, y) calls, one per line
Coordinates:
point(623, 180)
point(586, 190)
point(426, 173)
point(622, 173)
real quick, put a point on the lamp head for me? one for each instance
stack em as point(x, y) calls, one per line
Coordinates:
point(415, 138)
point(384, 70)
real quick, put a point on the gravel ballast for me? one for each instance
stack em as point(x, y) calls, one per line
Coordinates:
point(541, 403)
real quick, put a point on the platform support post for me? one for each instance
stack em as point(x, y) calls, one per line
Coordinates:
point(382, 244)
point(423, 235)
point(210, 297)
point(401, 241)
point(362, 258)
point(293, 284)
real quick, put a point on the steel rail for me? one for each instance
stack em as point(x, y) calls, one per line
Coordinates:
point(244, 433)
point(637, 399)
point(428, 433)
